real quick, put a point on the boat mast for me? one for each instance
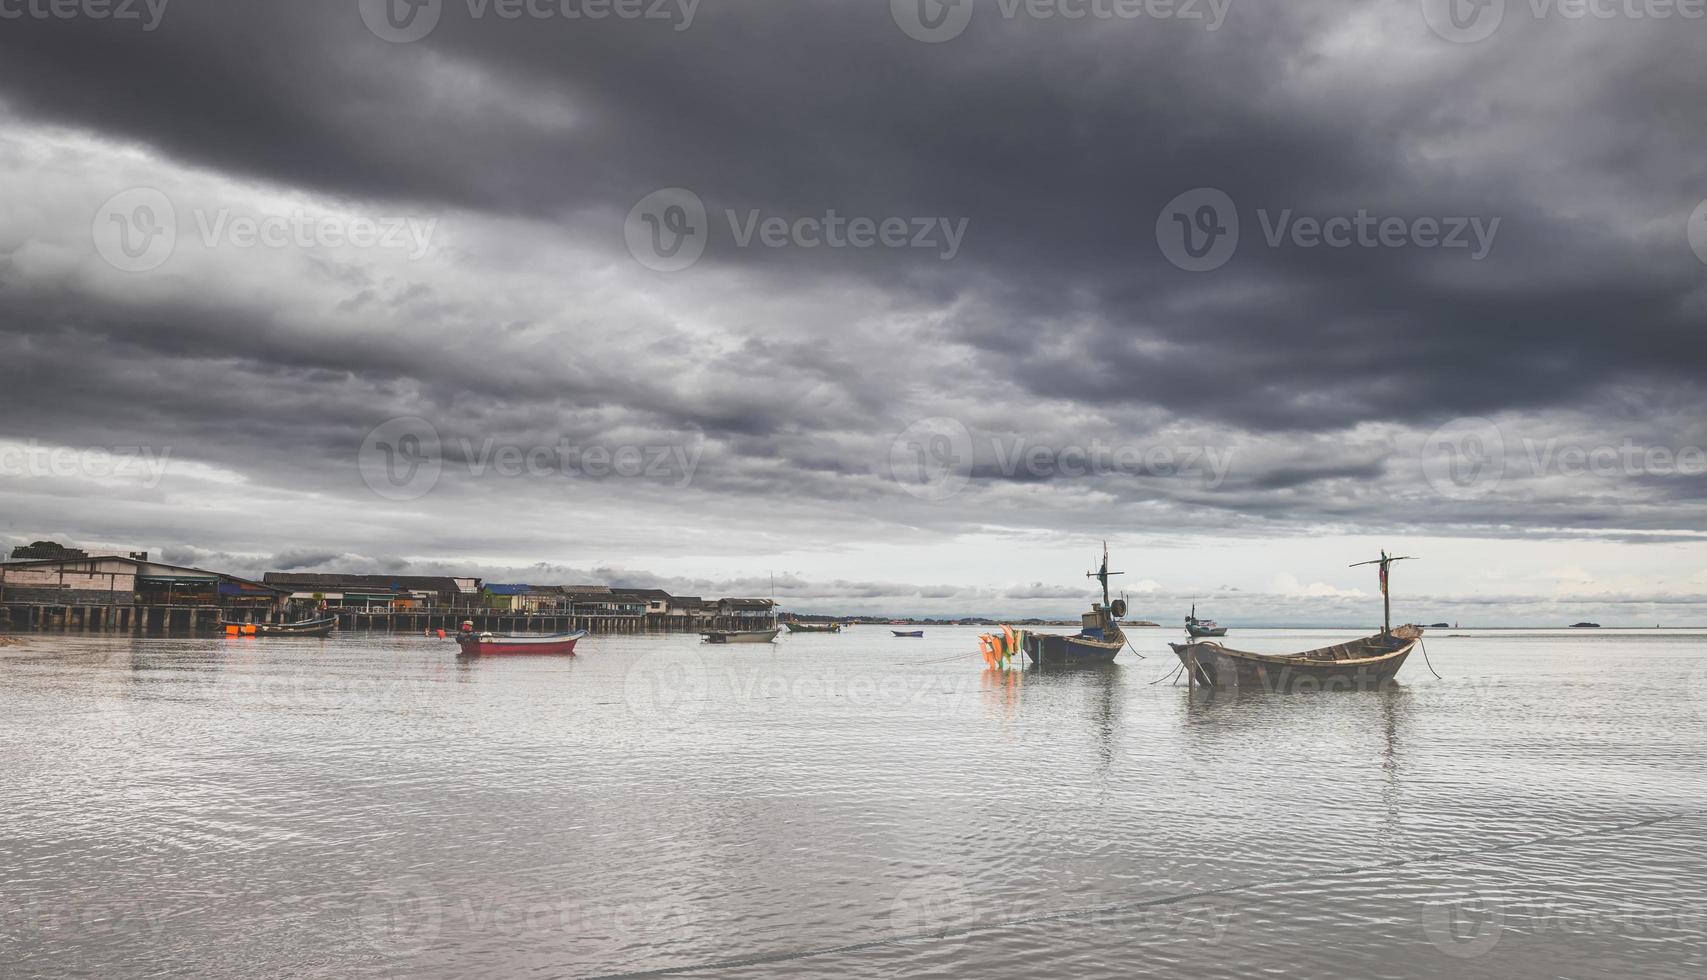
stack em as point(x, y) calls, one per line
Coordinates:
point(1386, 598)
point(1102, 574)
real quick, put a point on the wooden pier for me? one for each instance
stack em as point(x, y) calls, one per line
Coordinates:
point(191, 620)
point(47, 618)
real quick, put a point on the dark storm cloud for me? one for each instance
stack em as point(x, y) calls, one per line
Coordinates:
point(1059, 320)
point(1059, 143)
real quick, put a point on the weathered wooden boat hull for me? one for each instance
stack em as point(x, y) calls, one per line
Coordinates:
point(740, 636)
point(1199, 632)
point(915, 634)
point(310, 628)
point(813, 627)
point(1060, 650)
point(1360, 665)
point(494, 645)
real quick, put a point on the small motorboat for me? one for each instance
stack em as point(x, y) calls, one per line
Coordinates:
point(502, 644)
point(909, 633)
point(739, 636)
point(1200, 628)
point(306, 627)
point(794, 627)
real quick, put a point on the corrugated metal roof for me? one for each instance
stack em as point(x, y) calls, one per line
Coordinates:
point(508, 589)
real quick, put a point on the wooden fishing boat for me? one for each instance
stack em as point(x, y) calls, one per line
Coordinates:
point(306, 627)
point(507, 644)
point(813, 627)
point(1199, 628)
point(1099, 637)
point(908, 633)
point(739, 636)
point(1358, 665)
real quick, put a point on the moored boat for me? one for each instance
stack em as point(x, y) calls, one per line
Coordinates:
point(501, 644)
point(1099, 637)
point(739, 636)
point(1199, 628)
point(1362, 664)
point(306, 627)
point(794, 627)
point(908, 633)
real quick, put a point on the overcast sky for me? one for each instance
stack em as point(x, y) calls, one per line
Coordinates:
point(909, 305)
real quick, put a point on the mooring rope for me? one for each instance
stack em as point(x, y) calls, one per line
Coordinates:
point(1129, 646)
point(1431, 669)
point(958, 656)
point(1171, 673)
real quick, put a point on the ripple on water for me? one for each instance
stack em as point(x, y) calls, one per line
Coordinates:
point(371, 806)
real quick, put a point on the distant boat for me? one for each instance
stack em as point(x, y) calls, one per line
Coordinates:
point(911, 633)
point(502, 644)
point(306, 627)
point(1199, 628)
point(813, 627)
point(739, 636)
point(1585, 626)
point(1362, 664)
point(1099, 637)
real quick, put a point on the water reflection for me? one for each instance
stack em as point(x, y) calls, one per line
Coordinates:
point(560, 816)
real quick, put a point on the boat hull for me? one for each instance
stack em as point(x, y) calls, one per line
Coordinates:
point(1199, 632)
point(812, 628)
point(909, 633)
point(1058, 650)
point(739, 636)
point(312, 628)
point(490, 645)
point(1362, 665)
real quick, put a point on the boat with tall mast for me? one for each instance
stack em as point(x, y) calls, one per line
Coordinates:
point(1361, 664)
point(1099, 637)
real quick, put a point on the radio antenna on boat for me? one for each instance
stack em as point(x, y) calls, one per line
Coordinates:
point(1386, 600)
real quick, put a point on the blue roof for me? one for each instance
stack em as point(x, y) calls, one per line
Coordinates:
point(509, 589)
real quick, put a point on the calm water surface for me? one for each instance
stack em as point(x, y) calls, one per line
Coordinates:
point(853, 804)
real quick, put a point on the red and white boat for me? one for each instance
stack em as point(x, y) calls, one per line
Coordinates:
point(500, 644)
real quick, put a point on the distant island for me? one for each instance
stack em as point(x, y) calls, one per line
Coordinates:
point(1585, 626)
